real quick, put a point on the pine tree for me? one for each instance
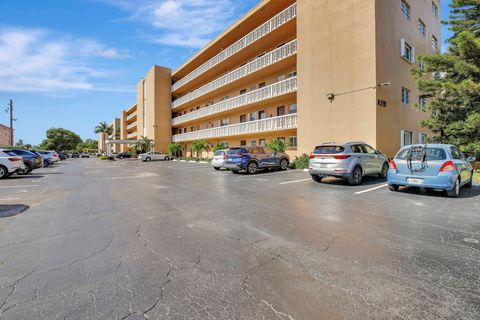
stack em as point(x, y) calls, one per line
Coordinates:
point(451, 81)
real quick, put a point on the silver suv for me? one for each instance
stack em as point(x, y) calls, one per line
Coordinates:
point(351, 161)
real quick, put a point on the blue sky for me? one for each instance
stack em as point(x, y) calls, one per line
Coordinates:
point(74, 63)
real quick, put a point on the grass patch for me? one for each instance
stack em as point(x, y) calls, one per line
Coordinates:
point(476, 176)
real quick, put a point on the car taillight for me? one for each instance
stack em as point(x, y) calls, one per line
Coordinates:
point(447, 167)
point(393, 165)
point(342, 156)
point(225, 156)
point(14, 159)
point(312, 156)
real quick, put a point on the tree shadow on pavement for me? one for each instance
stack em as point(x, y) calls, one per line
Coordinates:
point(10, 210)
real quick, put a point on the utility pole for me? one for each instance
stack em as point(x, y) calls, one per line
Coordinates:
point(10, 109)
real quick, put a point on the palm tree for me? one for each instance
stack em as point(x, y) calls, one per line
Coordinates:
point(105, 129)
point(174, 149)
point(198, 146)
point(144, 144)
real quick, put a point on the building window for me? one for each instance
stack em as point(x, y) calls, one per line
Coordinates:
point(434, 9)
point(407, 51)
point(243, 118)
point(243, 142)
point(261, 142)
point(292, 142)
point(422, 103)
point(262, 114)
point(261, 85)
point(292, 108)
point(243, 91)
point(434, 43)
point(406, 138)
point(422, 28)
point(422, 138)
point(421, 65)
point(281, 139)
point(224, 122)
point(253, 143)
point(281, 111)
point(253, 116)
point(405, 8)
point(292, 74)
point(282, 77)
point(405, 96)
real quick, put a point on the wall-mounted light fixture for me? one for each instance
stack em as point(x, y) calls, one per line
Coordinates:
point(332, 96)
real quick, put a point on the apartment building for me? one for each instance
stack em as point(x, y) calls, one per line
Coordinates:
point(4, 135)
point(304, 71)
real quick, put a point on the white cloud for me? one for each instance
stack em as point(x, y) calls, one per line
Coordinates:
point(187, 23)
point(39, 60)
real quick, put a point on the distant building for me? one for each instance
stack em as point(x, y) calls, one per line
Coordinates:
point(4, 135)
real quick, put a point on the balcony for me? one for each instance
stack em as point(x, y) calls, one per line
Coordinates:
point(268, 59)
point(265, 125)
point(131, 125)
point(272, 24)
point(131, 115)
point(132, 135)
point(274, 90)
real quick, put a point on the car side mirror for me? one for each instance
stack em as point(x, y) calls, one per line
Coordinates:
point(471, 159)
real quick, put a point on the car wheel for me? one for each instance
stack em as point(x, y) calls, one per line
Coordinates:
point(167, 158)
point(46, 164)
point(216, 168)
point(455, 191)
point(393, 187)
point(252, 167)
point(284, 164)
point(384, 172)
point(356, 178)
point(148, 159)
point(470, 183)
point(317, 178)
point(27, 170)
point(3, 172)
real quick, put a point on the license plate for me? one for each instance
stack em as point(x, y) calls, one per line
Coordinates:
point(321, 165)
point(414, 181)
point(229, 159)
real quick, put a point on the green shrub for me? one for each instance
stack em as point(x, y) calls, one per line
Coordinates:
point(106, 158)
point(301, 162)
point(277, 145)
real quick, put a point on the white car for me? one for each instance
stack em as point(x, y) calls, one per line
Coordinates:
point(219, 159)
point(10, 163)
point(149, 156)
point(55, 156)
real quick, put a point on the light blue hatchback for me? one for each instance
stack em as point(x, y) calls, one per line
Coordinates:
point(434, 166)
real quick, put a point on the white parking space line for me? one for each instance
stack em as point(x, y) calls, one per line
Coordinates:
point(11, 199)
point(21, 186)
point(296, 181)
point(372, 189)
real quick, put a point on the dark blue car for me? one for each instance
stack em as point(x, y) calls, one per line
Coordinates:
point(251, 159)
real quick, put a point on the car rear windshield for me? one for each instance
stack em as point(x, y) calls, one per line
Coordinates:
point(11, 153)
point(236, 151)
point(328, 149)
point(431, 154)
point(219, 153)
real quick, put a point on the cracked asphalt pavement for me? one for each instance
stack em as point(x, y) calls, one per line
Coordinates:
point(168, 240)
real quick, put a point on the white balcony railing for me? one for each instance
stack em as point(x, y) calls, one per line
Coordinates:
point(131, 125)
point(131, 115)
point(264, 125)
point(132, 135)
point(272, 24)
point(268, 59)
point(274, 90)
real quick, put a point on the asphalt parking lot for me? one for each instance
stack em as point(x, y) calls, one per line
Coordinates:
point(171, 240)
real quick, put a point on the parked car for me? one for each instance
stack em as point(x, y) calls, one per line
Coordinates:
point(123, 155)
point(434, 166)
point(84, 155)
point(10, 163)
point(351, 161)
point(251, 159)
point(219, 158)
point(49, 155)
point(46, 156)
point(31, 160)
point(54, 155)
point(149, 156)
point(62, 155)
point(75, 155)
